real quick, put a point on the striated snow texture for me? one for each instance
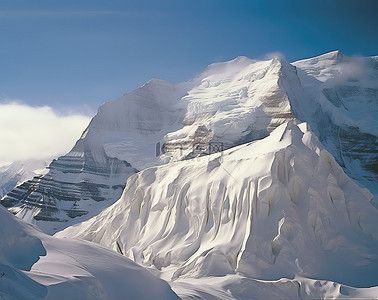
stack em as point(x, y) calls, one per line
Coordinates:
point(37, 266)
point(258, 220)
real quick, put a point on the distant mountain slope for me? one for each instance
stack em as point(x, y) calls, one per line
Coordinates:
point(36, 266)
point(18, 172)
point(276, 208)
point(228, 104)
point(346, 88)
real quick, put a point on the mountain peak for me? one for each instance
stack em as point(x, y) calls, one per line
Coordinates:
point(334, 57)
point(227, 67)
point(157, 82)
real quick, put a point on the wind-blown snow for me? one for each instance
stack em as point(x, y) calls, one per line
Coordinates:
point(272, 209)
point(36, 266)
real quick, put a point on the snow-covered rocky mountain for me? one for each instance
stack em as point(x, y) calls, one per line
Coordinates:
point(226, 105)
point(274, 218)
point(346, 88)
point(18, 172)
point(34, 265)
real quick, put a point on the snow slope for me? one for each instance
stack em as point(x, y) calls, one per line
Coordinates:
point(18, 172)
point(273, 217)
point(36, 266)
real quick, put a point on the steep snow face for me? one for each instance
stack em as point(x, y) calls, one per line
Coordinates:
point(276, 208)
point(18, 172)
point(346, 91)
point(36, 266)
point(229, 103)
point(129, 127)
point(233, 102)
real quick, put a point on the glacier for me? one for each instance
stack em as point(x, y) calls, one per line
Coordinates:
point(228, 104)
point(271, 218)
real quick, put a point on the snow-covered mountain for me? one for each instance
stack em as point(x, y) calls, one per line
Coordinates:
point(37, 266)
point(123, 137)
point(346, 88)
point(226, 105)
point(256, 221)
point(228, 195)
point(18, 172)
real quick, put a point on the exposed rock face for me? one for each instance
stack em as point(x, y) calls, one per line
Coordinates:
point(74, 186)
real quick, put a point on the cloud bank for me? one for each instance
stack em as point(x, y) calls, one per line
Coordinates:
point(28, 132)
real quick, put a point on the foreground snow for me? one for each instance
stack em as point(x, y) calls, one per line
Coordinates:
point(273, 218)
point(36, 266)
point(232, 287)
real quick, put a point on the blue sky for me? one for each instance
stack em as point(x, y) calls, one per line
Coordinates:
point(74, 54)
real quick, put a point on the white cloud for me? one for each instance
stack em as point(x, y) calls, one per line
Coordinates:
point(274, 54)
point(28, 132)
